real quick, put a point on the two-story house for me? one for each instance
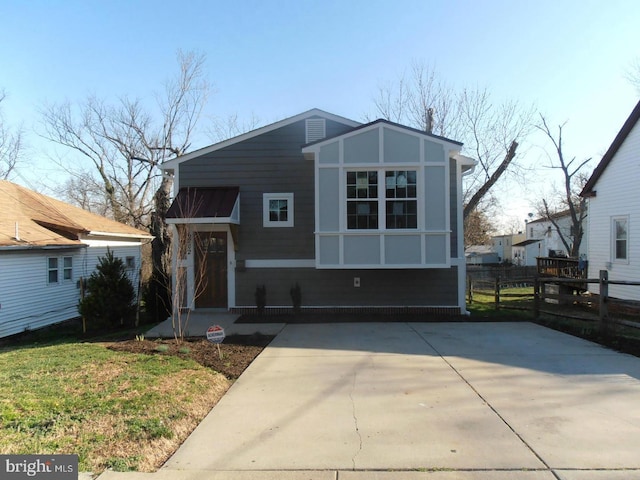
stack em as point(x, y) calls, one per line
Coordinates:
point(364, 216)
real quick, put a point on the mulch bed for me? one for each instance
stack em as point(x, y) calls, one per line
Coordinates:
point(237, 351)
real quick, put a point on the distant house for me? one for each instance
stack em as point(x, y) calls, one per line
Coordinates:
point(46, 246)
point(613, 197)
point(543, 239)
point(481, 255)
point(503, 245)
point(359, 216)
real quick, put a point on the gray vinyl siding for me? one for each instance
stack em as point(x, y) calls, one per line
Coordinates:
point(327, 288)
point(269, 163)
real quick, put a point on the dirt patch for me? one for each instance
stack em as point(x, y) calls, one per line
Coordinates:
point(236, 352)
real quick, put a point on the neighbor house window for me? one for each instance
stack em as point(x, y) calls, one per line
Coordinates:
point(130, 263)
point(67, 268)
point(620, 233)
point(52, 269)
point(277, 209)
point(397, 199)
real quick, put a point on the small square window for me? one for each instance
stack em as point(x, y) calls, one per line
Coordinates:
point(277, 209)
point(130, 263)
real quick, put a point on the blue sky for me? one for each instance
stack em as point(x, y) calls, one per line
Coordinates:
point(273, 59)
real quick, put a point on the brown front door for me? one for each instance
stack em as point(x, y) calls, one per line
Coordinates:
point(210, 280)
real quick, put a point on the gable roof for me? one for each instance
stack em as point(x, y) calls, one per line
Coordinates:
point(315, 112)
point(386, 122)
point(554, 216)
point(30, 219)
point(588, 190)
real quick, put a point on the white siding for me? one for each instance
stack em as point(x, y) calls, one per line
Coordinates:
point(617, 195)
point(28, 301)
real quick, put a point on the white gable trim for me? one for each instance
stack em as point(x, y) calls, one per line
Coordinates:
point(174, 162)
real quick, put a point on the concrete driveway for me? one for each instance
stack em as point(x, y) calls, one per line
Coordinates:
point(423, 401)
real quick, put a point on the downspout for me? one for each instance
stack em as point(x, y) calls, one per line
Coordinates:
point(462, 266)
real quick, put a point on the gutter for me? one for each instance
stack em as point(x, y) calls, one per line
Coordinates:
point(120, 235)
point(8, 248)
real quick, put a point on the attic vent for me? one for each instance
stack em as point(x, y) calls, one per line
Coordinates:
point(315, 129)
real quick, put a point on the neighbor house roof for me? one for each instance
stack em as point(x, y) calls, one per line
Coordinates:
point(30, 219)
point(588, 189)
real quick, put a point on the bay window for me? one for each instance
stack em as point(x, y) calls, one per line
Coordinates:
point(393, 207)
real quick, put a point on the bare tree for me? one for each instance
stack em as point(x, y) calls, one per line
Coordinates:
point(11, 144)
point(223, 129)
point(490, 132)
point(82, 190)
point(478, 229)
point(632, 74)
point(568, 200)
point(126, 143)
point(188, 250)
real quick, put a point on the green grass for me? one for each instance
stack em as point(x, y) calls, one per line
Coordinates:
point(103, 405)
point(517, 307)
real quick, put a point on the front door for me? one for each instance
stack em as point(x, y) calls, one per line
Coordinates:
point(210, 282)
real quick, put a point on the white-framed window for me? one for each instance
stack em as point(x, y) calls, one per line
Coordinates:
point(67, 269)
point(620, 239)
point(277, 209)
point(52, 270)
point(57, 266)
point(395, 206)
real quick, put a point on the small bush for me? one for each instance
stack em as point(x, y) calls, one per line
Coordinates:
point(109, 295)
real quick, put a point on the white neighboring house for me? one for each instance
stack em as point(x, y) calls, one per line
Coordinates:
point(613, 195)
point(46, 246)
point(543, 239)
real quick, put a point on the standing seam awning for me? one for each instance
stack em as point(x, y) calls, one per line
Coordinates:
point(215, 204)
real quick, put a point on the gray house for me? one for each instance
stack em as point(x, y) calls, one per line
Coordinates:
point(359, 216)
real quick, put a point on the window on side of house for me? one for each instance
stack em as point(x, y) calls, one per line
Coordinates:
point(362, 200)
point(278, 209)
point(401, 199)
point(67, 269)
point(130, 263)
point(393, 207)
point(620, 234)
point(52, 270)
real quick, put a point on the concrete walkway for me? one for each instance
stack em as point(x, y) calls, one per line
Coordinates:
point(420, 401)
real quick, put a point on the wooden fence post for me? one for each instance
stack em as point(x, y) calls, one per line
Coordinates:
point(536, 298)
point(497, 297)
point(470, 289)
point(604, 302)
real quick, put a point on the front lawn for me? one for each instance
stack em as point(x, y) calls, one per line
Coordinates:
point(114, 409)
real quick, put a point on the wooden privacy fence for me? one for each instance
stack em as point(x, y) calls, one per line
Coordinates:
point(568, 296)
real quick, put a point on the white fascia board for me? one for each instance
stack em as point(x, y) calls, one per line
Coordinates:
point(468, 164)
point(174, 162)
